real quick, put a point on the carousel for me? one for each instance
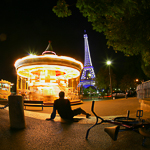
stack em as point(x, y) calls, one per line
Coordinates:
point(5, 89)
point(43, 77)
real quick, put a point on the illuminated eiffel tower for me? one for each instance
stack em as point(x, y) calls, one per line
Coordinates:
point(88, 75)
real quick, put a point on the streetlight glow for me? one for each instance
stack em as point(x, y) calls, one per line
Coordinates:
point(108, 62)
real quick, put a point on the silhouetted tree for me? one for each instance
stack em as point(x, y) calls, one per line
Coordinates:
point(127, 82)
point(125, 23)
point(103, 80)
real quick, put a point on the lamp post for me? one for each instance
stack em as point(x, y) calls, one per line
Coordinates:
point(109, 63)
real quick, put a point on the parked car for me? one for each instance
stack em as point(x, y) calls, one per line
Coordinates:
point(118, 94)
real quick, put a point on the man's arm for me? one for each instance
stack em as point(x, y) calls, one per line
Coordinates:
point(53, 114)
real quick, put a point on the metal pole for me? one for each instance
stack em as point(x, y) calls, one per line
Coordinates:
point(110, 82)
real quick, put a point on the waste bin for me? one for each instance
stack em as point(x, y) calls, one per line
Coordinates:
point(16, 112)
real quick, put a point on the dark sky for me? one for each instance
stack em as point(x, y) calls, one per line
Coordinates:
point(29, 25)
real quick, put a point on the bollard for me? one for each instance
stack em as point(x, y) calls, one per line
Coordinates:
point(16, 112)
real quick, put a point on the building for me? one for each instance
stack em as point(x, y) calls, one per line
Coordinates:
point(88, 74)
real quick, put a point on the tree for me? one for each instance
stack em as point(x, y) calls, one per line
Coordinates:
point(102, 78)
point(127, 82)
point(125, 23)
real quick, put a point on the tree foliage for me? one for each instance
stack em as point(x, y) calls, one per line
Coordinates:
point(127, 82)
point(125, 23)
point(103, 79)
point(61, 9)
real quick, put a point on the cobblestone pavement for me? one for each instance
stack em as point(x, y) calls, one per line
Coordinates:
point(51, 135)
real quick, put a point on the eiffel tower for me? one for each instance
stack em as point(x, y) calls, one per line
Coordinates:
point(88, 74)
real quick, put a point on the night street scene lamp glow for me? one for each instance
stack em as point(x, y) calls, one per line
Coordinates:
point(108, 62)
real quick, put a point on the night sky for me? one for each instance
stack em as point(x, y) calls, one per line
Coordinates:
point(27, 26)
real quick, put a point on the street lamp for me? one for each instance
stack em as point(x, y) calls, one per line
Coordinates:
point(109, 63)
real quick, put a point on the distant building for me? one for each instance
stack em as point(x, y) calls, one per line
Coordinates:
point(88, 74)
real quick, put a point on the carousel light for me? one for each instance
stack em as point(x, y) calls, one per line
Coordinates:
point(47, 74)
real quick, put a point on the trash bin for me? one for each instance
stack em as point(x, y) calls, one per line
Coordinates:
point(16, 112)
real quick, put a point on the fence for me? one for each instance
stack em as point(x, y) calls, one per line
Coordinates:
point(143, 90)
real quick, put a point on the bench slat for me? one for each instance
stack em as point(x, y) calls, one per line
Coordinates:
point(32, 103)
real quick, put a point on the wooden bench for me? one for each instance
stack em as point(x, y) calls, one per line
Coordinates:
point(34, 104)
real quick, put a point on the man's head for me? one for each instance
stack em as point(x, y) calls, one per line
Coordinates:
point(61, 95)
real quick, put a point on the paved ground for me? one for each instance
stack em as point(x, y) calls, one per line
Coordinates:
point(107, 107)
point(48, 135)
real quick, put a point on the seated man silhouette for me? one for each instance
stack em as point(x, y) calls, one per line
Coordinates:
point(64, 109)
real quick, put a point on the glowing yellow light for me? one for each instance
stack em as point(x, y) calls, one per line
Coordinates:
point(47, 74)
point(25, 66)
point(69, 72)
point(48, 56)
point(108, 62)
point(71, 59)
point(32, 55)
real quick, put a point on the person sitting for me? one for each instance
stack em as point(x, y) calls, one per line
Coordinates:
point(64, 109)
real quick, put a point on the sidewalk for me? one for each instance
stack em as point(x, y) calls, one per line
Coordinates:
point(56, 135)
point(147, 99)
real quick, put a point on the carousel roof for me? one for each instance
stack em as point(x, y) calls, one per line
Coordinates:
point(64, 66)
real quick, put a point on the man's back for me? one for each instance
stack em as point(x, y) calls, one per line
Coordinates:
point(64, 108)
